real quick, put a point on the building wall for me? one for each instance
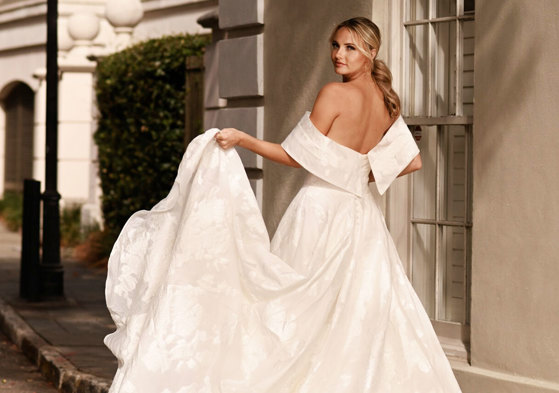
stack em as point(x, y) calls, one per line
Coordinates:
point(161, 19)
point(233, 79)
point(515, 308)
point(296, 65)
point(515, 269)
point(22, 59)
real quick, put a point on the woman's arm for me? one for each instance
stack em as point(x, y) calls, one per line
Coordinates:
point(229, 137)
point(325, 110)
point(413, 166)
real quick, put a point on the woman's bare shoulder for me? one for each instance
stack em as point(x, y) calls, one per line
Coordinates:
point(335, 90)
point(329, 104)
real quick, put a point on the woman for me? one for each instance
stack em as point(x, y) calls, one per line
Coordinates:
point(354, 113)
point(204, 303)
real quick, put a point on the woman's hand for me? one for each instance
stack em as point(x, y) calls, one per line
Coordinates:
point(228, 137)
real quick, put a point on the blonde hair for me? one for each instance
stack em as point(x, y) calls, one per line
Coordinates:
point(369, 35)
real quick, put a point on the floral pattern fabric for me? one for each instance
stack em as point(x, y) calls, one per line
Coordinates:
point(203, 302)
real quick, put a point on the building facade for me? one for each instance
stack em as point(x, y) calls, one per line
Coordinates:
point(476, 228)
point(86, 28)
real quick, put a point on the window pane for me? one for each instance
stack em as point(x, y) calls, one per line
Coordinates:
point(453, 197)
point(418, 70)
point(453, 274)
point(469, 5)
point(419, 9)
point(423, 268)
point(446, 8)
point(439, 81)
point(425, 180)
point(445, 69)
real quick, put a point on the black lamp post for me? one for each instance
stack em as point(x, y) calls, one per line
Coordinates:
point(52, 273)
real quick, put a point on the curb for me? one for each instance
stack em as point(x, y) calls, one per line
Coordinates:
point(55, 367)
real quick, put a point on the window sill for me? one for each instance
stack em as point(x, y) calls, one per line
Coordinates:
point(454, 339)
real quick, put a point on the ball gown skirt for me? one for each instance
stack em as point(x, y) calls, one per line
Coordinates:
point(203, 302)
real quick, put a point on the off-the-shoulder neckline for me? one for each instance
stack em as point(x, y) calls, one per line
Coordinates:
point(308, 114)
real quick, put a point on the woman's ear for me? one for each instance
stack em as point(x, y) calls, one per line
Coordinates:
point(374, 53)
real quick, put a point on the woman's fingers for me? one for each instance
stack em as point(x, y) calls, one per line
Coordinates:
point(221, 139)
point(226, 138)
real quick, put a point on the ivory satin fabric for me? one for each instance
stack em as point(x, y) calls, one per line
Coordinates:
point(203, 302)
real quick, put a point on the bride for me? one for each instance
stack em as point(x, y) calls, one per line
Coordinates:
point(204, 303)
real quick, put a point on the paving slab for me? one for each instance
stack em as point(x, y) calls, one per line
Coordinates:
point(64, 337)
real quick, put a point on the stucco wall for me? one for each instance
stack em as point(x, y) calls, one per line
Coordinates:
point(515, 261)
point(296, 65)
point(162, 20)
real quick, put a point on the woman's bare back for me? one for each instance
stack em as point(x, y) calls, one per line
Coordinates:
point(360, 118)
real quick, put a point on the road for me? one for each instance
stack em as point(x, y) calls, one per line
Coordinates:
point(17, 374)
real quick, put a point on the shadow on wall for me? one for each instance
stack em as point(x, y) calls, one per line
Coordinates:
point(502, 67)
point(514, 261)
point(297, 64)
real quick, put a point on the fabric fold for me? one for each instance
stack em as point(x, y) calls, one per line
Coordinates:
point(324, 157)
point(392, 154)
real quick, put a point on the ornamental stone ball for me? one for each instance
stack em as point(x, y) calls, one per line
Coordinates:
point(124, 13)
point(65, 42)
point(83, 26)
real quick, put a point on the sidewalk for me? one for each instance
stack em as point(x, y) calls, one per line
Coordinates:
point(63, 338)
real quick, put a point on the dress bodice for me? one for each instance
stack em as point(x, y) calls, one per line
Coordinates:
point(345, 167)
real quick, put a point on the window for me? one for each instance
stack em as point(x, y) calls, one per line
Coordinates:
point(438, 105)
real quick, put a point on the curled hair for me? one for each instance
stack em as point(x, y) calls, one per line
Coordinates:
point(369, 39)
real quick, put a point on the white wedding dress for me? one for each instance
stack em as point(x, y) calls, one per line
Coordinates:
point(203, 303)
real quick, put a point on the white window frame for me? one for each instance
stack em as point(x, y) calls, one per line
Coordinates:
point(431, 119)
point(454, 336)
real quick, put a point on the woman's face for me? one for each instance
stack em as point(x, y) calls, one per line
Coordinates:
point(347, 59)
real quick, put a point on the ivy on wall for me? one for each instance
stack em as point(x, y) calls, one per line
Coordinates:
point(140, 135)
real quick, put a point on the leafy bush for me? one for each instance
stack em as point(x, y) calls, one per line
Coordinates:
point(11, 209)
point(96, 248)
point(140, 135)
point(72, 232)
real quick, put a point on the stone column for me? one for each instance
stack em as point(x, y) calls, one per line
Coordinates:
point(76, 101)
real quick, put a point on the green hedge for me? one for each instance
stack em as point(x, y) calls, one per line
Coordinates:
point(140, 135)
point(11, 209)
